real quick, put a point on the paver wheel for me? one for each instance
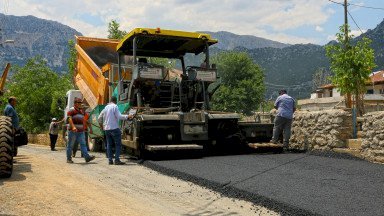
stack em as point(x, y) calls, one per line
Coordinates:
point(6, 147)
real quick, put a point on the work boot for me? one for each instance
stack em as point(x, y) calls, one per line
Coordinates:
point(285, 147)
point(69, 161)
point(90, 158)
point(119, 163)
point(110, 162)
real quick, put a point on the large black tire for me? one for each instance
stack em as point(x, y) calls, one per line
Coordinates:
point(6, 147)
point(15, 150)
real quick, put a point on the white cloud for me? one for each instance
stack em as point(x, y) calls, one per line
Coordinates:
point(268, 19)
point(357, 32)
point(331, 37)
point(354, 33)
point(319, 29)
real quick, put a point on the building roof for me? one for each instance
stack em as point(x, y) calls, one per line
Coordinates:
point(327, 86)
point(377, 77)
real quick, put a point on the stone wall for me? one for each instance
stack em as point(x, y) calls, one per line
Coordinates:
point(321, 130)
point(373, 136)
point(43, 139)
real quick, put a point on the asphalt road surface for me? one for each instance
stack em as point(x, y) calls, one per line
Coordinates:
point(289, 183)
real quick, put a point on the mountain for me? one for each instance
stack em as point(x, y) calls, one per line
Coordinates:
point(289, 68)
point(377, 37)
point(285, 66)
point(33, 36)
point(230, 41)
point(292, 67)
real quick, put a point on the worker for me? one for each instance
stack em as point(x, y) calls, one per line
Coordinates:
point(10, 111)
point(109, 121)
point(20, 135)
point(87, 130)
point(285, 106)
point(54, 132)
point(76, 131)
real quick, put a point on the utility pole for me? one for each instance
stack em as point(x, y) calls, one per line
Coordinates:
point(349, 97)
point(346, 20)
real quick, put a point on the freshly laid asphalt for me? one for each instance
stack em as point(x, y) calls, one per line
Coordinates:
point(290, 183)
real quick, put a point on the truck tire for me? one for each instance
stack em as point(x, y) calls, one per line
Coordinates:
point(6, 148)
point(15, 150)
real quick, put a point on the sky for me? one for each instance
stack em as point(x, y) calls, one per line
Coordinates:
point(287, 21)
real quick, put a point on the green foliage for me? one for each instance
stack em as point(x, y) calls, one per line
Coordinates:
point(351, 64)
point(167, 63)
point(267, 106)
point(114, 31)
point(37, 88)
point(71, 61)
point(242, 83)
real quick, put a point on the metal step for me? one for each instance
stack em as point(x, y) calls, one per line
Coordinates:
point(173, 147)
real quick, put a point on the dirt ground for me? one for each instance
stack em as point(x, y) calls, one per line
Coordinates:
point(44, 184)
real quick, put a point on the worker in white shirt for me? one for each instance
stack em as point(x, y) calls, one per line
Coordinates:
point(109, 117)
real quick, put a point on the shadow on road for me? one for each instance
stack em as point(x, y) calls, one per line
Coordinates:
point(197, 154)
point(21, 165)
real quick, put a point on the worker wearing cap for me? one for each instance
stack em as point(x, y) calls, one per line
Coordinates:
point(285, 106)
point(76, 131)
point(54, 132)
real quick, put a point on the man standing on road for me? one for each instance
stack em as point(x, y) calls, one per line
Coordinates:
point(87, 125)
point(76, 131)
point(109, 118)
point(10, 111)
point(54, 132)
point(285, 106)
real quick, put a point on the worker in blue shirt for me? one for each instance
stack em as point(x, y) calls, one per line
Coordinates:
point(10, 111)
point(285, 106)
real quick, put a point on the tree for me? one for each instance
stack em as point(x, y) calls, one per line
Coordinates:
point(167, 63)
point(351, 65)
point(114, 31)
point(71, 61)
point(37, 88)
point(321, 77)
point(242, 83)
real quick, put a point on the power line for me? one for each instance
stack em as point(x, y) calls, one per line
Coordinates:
point(291, 87)
point(336, 2)
point(355, 23)
point(375, 8)
point(356, 5)
point(350, 15)
point(267, 83)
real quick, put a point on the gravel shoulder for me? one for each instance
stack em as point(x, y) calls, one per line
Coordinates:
point(44, 184)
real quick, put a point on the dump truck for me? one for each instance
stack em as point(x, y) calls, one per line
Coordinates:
point(10, 139)
point(171, 108)
point(96, 63)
